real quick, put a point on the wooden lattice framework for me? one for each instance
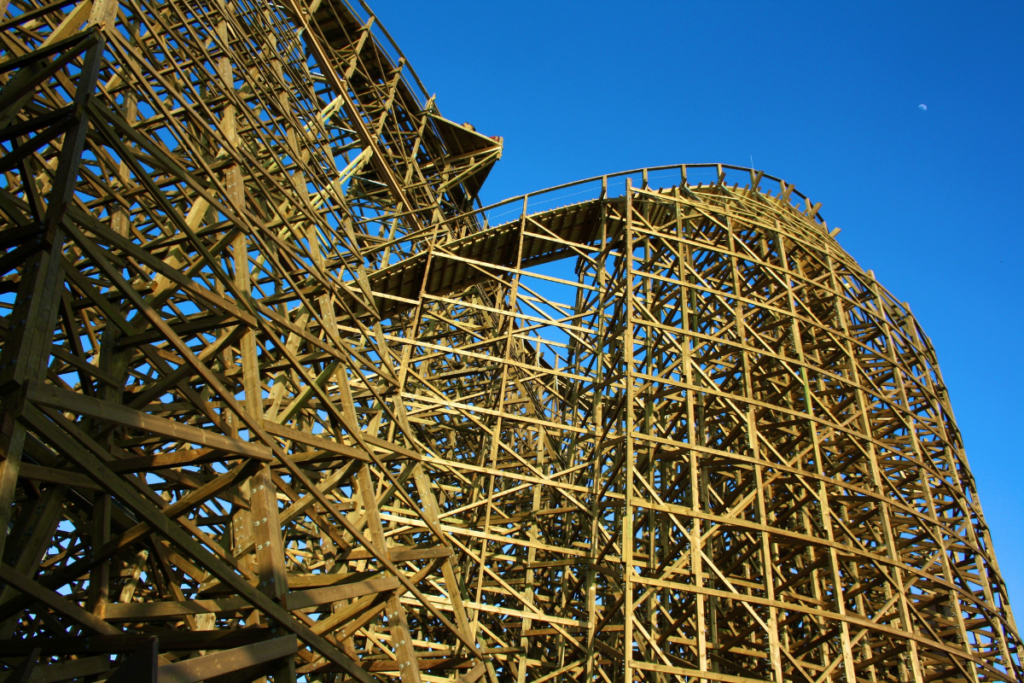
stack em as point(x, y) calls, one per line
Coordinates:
point(281, 401)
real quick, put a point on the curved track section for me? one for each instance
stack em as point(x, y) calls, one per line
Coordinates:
point(704, 444)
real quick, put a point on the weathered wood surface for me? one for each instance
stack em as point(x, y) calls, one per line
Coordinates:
point(280, 401)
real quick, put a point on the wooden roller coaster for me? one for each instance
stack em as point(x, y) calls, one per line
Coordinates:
point(281, 401)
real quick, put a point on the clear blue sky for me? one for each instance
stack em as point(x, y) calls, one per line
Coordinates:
point(823, 94)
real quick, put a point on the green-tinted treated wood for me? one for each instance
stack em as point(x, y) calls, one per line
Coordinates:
point(274, 387)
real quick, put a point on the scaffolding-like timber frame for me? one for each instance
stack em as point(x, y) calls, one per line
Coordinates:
point(280, 401)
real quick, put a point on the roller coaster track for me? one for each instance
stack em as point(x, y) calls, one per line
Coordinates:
point(280, 400)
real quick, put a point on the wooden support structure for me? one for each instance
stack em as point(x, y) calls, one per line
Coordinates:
point(281, 401)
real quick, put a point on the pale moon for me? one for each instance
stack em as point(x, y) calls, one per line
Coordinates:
point(923, 107)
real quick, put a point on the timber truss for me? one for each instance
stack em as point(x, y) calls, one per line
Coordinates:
point(281, 401)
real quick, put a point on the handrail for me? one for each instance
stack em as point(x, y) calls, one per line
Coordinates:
point(682, 168)
point(481, 218)
point(384, 40)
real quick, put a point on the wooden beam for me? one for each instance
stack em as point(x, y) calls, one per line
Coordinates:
point(207, 666)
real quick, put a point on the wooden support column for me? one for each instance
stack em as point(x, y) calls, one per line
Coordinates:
point(628, 445)
point(99, 577)
point(401, 638)
point(34, 317)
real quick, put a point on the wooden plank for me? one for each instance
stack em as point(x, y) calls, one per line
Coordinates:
point(207, 666)
point(707, 444)
point(89, 407)
point(52, 475)
point(321, 596)
point(294, 600)
point(101, 474)
point(54, 601)
point(126, 643)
